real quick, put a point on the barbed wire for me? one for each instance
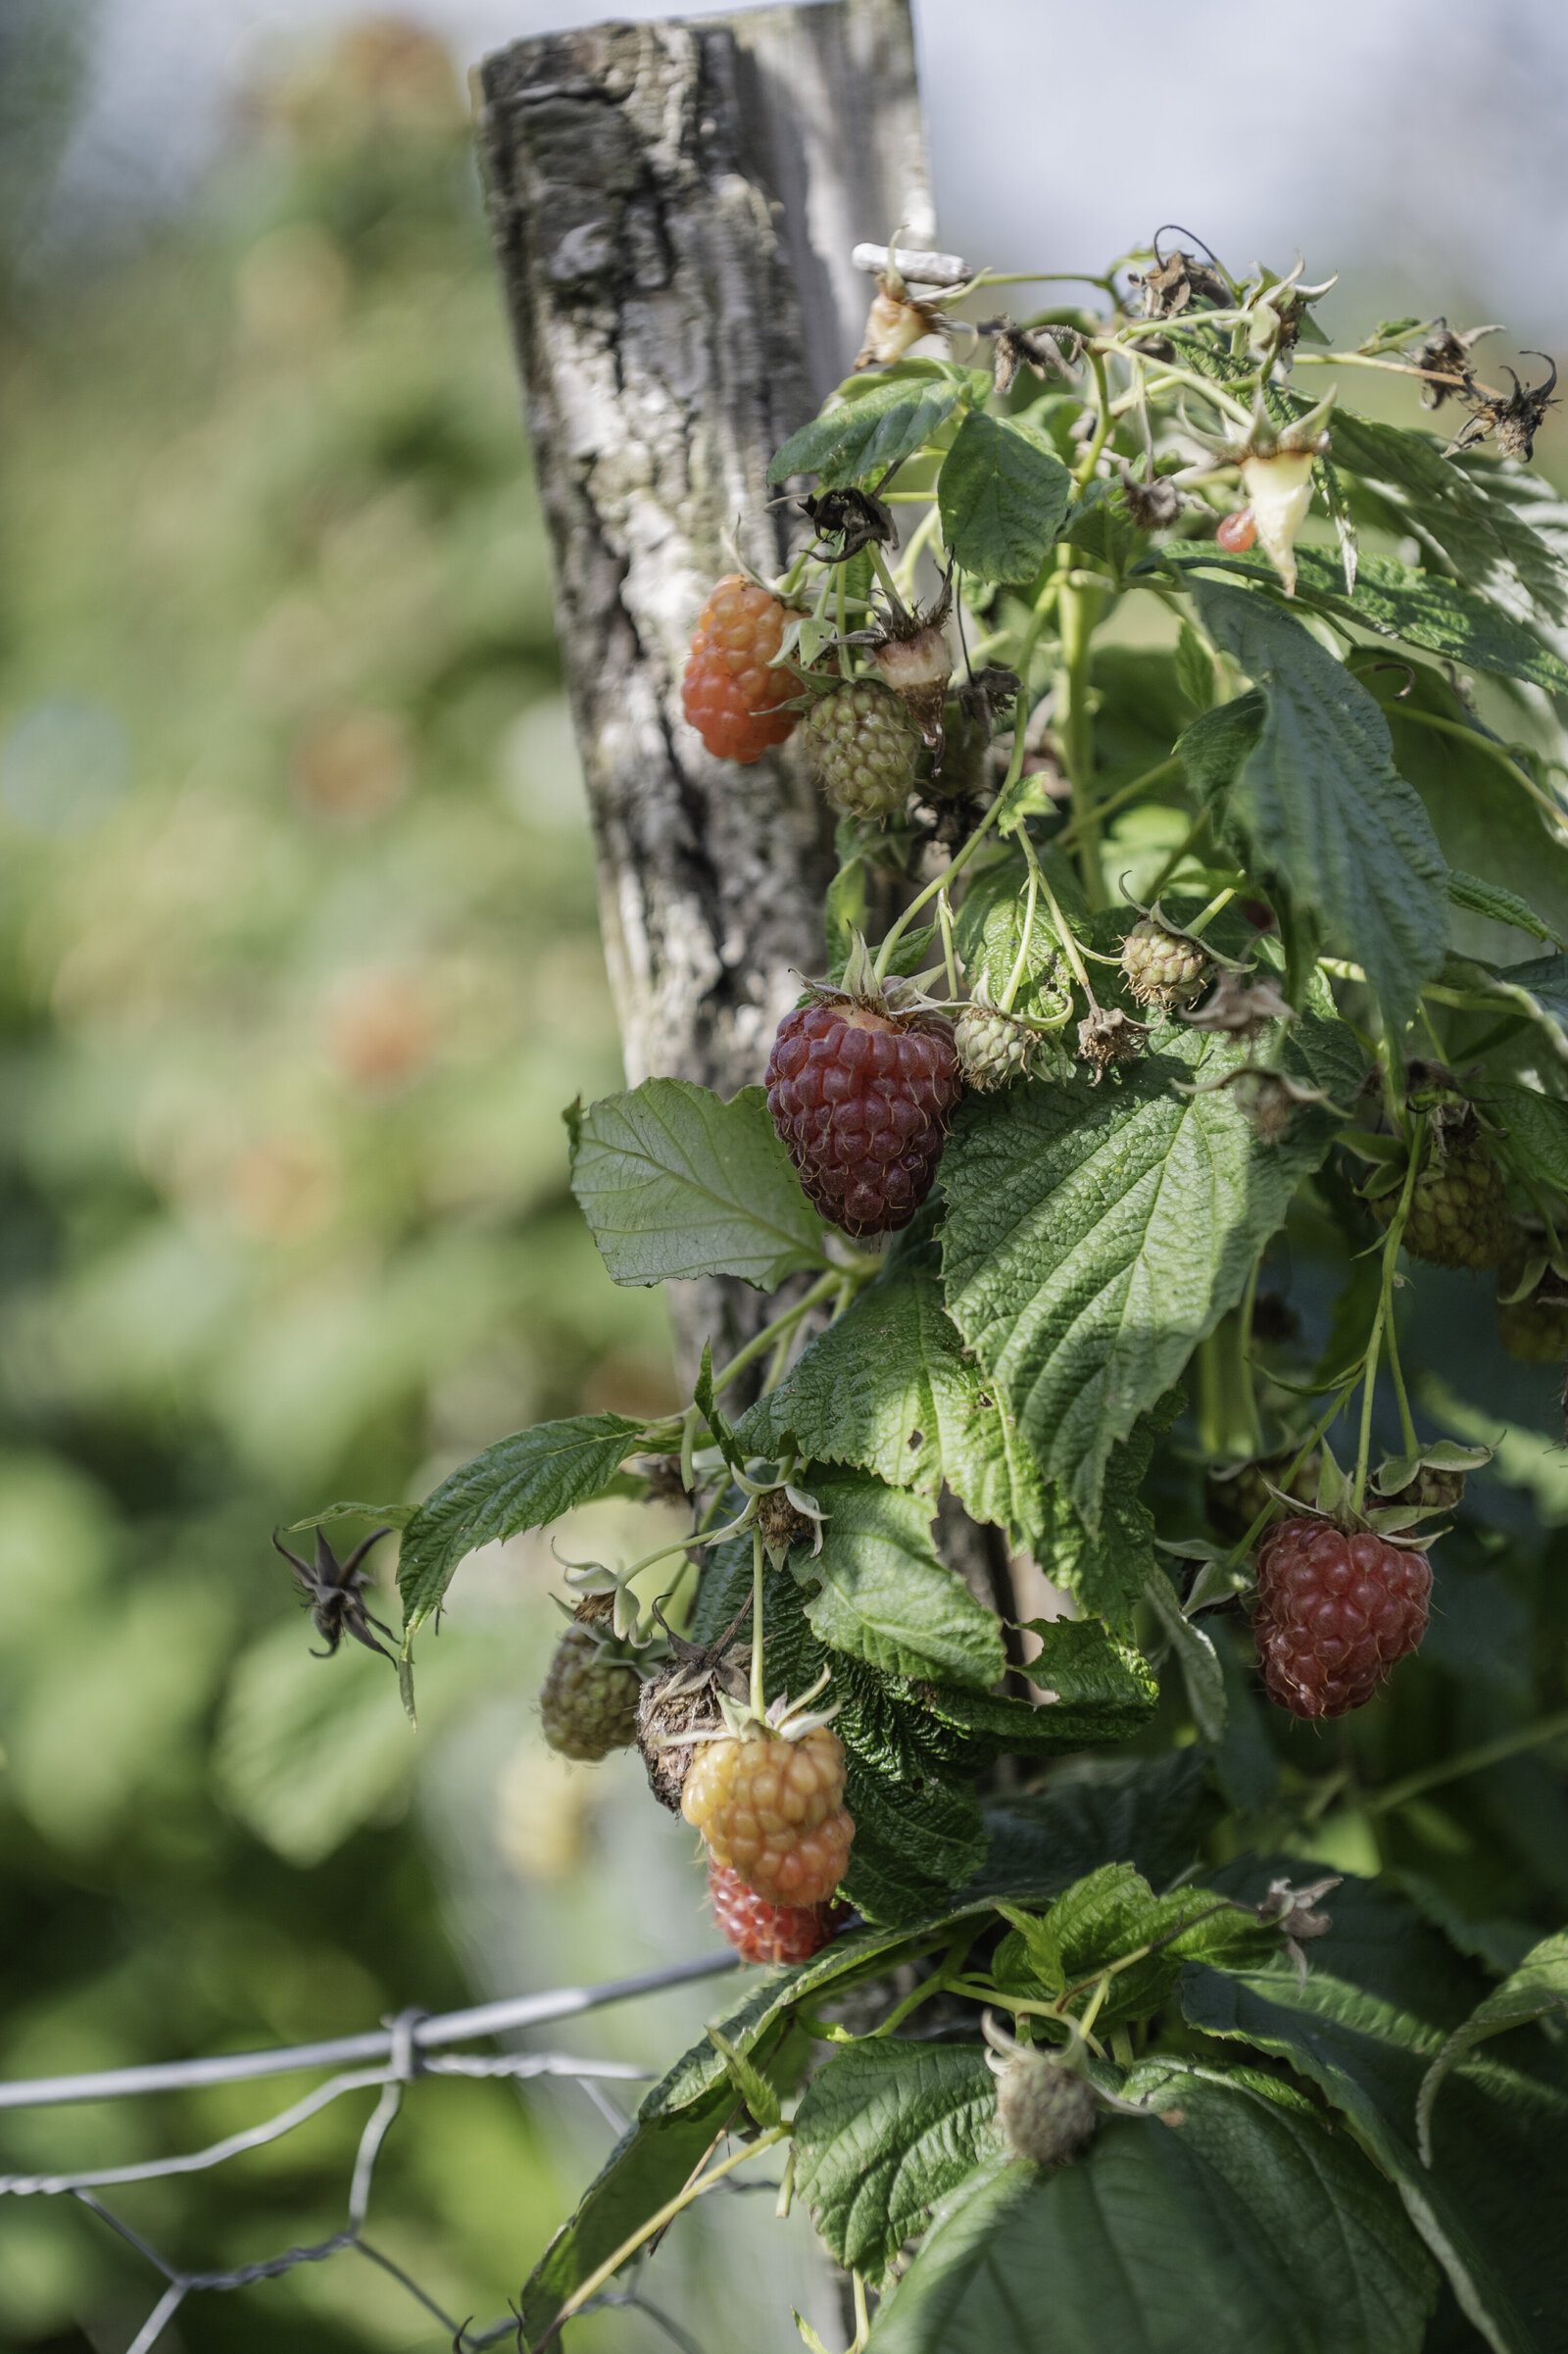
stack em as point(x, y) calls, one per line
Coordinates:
point(393, 2056)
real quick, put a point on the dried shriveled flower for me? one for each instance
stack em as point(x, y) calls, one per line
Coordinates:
point(1152, 506)
point(1241, 1009)
point(855, 518)
point(684, 1700)
point(336, 1593)
point(1108, 1035)
point(897, 319)
point(1294, 1909)
point(1516, 420)
point(1050, 351)
point(1446, 353)
point(1176, 282)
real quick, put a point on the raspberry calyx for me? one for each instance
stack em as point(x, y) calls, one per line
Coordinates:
point(736, 703)
point(861, 1093)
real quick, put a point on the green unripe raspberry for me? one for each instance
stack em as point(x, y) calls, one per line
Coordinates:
point(862, 749)
point(1460, 1215)
point(589, 1701)
point(1431, 1490)
point(992, 1049)
point(1233, 1496)
point(1046, 2110)
point(1534, 1329)
point(1161, 968)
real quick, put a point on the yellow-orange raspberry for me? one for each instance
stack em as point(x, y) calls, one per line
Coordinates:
point(731, 694)
point(772, 1811)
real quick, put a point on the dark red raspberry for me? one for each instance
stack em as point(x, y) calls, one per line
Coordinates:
point(760, 1932)
point(729, 694)
point(1334, 1613)
point(860, 1101)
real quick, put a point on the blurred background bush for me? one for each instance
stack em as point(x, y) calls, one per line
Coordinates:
point(298, 965)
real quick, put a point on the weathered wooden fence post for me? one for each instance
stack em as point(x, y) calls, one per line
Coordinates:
point(674, 207)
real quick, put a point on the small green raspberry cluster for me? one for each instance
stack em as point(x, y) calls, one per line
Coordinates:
point(1235, 1493)
point(862, 749)
point(1044, 2108)
point(1534, 1328)
point(994, 1049)
point(589, 1701)
point(1460, 1215)
point(1431, 1490)
point(1162, 967)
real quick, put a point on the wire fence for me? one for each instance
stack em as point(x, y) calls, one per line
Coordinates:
point(391, 2058)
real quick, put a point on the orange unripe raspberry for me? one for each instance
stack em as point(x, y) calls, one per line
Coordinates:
point(772, 1810)
point(729, 694)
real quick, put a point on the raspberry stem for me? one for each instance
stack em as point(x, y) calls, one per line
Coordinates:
point(759, 1692)
point(1385, 1316)
point(654, 2224)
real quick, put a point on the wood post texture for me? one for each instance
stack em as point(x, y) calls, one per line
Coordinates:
point(674, 207)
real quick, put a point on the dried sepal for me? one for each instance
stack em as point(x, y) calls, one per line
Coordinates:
point(1241, 1008)
point(1046, 351)
point(1515, 421)
point(1108, 1035)
point(1446, 353)
point(1152, 506)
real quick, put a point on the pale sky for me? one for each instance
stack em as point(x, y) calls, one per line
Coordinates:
point(1412, 143)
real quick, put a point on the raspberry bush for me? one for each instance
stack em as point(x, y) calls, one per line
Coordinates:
point(1130, 1181)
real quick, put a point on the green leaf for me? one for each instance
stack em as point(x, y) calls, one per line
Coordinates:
point(888, 1387)
point(1538, 1987)
point(523, 1482)
point(1107, 1915)
point(1149, 1810)
point(1540, 989)
point(396, 1516)
point(675, 1182)
point(1384, 1993)
point(883, 2132)
point(884, 1598)
point(1102, 1689)
point(1096, 1235)
point(1535, 1130)
point(1195, 1655)
point(1329, 816)
point(1498, 905)
point(721, 1430)
point(858, 439)
point(748, 2082)
point(1195, 668)
point(1483, 811)
point(1003, 494)
point(1215, 749)
point(1107, 1571)
point(1245, 2230)
point(1400, 600)
point(989, 928)
point(1465, 508)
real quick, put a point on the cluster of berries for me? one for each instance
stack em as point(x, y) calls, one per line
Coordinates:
point(767, 1797)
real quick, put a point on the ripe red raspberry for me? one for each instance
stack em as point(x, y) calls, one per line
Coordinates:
point(589, 1701)
point(760, 1932)
point(729, 694)
point(1460, 1215)
point(1334, 1613)
point(860, 1102)
point(772, 1810)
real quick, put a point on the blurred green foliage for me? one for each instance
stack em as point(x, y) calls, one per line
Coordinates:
point(298, 964)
